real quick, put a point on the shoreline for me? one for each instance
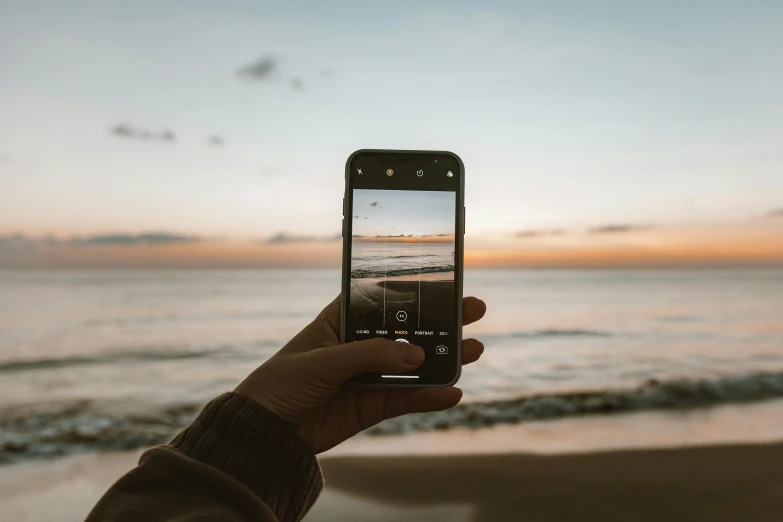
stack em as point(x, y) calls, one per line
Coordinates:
point(720, 483)
point(73, 429)
point(717, 463)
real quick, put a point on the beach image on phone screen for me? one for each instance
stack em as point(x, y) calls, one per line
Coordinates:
point(402, 259)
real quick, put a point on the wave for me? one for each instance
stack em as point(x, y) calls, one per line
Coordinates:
point(363, 273)
point(555, 332)
point(384, 256)
point(154, 354)
point(652, 395)
point(547, 333)
point(51, 430)
point(182, 318)
point(105, 358)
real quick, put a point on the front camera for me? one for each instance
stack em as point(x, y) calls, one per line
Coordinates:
point(390, 172)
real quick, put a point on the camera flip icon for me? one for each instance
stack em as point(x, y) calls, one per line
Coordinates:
point(441, 349)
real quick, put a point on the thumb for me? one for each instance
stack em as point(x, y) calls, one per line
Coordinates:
point(337, 364)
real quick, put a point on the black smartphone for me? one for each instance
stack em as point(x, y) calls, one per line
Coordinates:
point(403, 227)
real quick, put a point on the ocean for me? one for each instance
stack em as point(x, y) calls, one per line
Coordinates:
point(380, 259)
point(106, 360)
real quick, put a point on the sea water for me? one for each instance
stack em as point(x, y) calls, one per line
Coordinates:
point(95, 360)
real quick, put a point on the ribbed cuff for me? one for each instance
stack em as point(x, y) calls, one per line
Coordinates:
point(239, 437)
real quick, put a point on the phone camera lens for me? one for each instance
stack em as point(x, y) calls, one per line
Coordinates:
point(390, 172)
point(450, 174)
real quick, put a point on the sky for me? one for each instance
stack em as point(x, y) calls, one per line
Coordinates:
point(215, 133)
point(418, 213)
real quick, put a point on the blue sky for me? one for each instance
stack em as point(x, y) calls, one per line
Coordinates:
point(395, 212)
point(567, 114)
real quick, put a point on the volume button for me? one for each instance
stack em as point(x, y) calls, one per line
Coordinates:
point(463, 221)
point(342, 229)
point(343, 207)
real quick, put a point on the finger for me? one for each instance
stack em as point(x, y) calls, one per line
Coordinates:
point(401, 402)
point(473, 309)
point(471, 350)
point(337, 364)
point(331, 315)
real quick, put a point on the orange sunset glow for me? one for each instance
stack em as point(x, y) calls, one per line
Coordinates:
point(725, 245)
point(405, 239)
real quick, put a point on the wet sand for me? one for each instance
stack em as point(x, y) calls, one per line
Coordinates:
point(402, 294)
point(569, 469)
point(720, 483)
point(717, 483)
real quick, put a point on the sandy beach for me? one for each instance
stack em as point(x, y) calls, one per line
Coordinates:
point(433, 296)
point(573, 469)
point(717, 483)
point(721, 483)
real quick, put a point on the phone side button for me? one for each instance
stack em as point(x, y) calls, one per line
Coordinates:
point(463, 221)
point(342, 229)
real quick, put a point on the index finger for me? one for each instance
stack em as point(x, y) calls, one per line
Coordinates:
point(473, 309)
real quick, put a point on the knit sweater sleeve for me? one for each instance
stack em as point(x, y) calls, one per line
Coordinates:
point(235, 462)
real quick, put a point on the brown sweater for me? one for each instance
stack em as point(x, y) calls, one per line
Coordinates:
point(235, 462)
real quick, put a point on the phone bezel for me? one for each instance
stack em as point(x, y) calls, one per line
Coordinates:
point(459, 243)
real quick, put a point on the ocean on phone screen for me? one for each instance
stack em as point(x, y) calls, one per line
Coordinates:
point(395, 259)
point(104, 360)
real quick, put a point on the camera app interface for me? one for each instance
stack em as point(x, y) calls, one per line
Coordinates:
point(402, 267)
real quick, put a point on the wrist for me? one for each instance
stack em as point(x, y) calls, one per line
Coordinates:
point(239, 437)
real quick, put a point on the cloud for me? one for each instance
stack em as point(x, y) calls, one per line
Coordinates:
point(22, 243)
point(152, 238)
point(262, 69)
point(17, 243)
point(616, 228)
point(131, 131)
point(540, 232)
point(285, 237)
point(775, 213)
point(215, 140)
point(297, 84)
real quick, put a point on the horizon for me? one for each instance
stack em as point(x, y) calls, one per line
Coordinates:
point(119, 252)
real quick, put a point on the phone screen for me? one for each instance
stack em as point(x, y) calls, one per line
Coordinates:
point(403, 258)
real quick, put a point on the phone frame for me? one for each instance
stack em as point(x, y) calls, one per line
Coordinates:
point(459, 261)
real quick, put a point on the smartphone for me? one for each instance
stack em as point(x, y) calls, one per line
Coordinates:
point(403, 227)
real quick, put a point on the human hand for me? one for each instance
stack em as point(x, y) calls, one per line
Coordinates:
point(305, 383)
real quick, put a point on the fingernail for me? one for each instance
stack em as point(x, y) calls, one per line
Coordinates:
point(414, 355)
